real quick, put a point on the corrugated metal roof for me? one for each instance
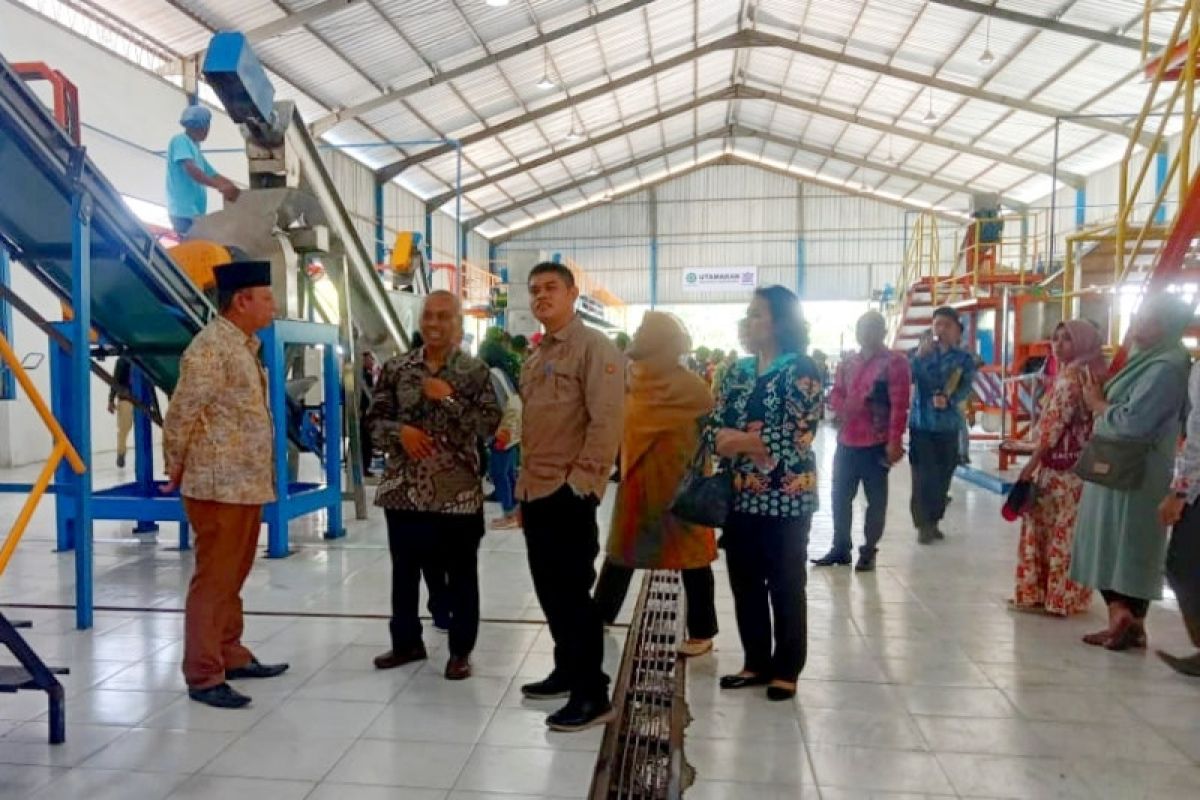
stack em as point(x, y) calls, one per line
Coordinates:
point(375, 46)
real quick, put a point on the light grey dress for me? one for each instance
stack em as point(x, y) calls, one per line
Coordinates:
point(1119, 544)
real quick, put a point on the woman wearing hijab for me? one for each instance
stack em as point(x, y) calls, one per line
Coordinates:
point(1064, 428)
point(664, 406)
point(1119, 541)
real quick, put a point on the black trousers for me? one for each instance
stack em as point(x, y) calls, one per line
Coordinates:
point(1183, 569)
point(1138, 606)
point(934, 457)
point(766, 558)
point(562, 542)
point(447, 543)
point(852, 466)
point(699, 589)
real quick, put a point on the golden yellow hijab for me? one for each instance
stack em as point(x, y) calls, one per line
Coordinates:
point(663, 396)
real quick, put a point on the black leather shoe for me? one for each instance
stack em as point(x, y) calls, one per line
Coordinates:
point(742, 681)
point(551, 688)
point(865, 564)
point(255, 669)
point(220, 696)
point(937, 533)
point(392, 658)
point(926, 535)
point(831, 559)
point(579, 715)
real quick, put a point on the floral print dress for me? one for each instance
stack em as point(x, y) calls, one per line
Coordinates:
point(784, 405)
point(1044, 552)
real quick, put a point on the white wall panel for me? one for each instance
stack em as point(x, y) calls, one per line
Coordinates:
point(733, 215)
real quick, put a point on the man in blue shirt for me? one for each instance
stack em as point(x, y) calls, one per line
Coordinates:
point(188, 171)
point(943, 373)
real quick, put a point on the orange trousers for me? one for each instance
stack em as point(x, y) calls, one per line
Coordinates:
point(226, 542)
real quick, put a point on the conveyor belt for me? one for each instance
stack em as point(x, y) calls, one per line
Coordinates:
point(141, 301)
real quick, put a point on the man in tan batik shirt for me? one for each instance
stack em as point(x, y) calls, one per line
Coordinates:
point(218, 442)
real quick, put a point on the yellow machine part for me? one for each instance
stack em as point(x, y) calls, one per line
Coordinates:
point(402, 251)
point(198, 258)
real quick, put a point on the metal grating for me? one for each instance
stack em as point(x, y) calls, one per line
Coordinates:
point(642, 755)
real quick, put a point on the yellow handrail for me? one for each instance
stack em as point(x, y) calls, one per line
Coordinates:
point(62, 449)
point(1180, 168)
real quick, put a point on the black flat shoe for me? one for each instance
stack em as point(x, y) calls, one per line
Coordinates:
point(780, 693)
point(220, 696)
point(865, 564)
point(255, 669)
point(1187, 665)
point(743, 681)
point(832, 560)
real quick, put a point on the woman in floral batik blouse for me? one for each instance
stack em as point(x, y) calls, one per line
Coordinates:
point(767, 410)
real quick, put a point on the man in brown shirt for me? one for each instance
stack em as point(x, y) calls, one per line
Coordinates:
point(218, 441)
point(572, 388)
point(430, 409)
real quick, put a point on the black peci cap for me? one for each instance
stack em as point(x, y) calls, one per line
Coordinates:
point(238, 275)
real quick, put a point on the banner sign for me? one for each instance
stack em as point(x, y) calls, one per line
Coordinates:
point(716, 279)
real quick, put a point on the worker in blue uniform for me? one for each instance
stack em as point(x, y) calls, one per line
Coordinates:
point(188, 172)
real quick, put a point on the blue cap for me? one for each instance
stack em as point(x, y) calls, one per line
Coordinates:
point(195, 117)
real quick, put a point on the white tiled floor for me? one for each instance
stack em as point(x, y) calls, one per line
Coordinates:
point(919, 684)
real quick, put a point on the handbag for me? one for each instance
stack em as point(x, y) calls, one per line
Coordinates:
point(704, 499)
point(1114, 463)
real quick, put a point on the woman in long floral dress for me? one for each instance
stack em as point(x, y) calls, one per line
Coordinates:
point(1044, 553)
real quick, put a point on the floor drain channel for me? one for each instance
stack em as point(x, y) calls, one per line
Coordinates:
point(642, 755)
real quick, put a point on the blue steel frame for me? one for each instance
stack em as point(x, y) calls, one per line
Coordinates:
point(78, 506)
point(8, 383)
point(297, 499)
point(71, 404)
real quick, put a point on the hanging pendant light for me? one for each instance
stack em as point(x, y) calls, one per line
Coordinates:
point(987, 57)
point(930, 117)
point(546, 83)
point(891, 157)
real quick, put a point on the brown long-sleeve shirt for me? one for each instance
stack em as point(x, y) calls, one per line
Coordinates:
point(573, 390)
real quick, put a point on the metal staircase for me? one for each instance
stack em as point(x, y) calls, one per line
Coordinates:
point(1149, 253)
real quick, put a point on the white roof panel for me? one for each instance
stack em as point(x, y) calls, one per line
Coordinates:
point(352, 55)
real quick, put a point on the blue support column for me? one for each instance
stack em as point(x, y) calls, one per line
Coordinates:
point(143, 445)
point(60, 406)
point(1161, 166)
point(275, 514)
point(80, 431)
point(429, 233)
point(8, 383)
point(380, 249)
point(801, 262)
point(333, 440)
point(1080, 207)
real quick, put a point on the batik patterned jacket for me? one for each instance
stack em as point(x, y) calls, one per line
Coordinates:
point(790, 409)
